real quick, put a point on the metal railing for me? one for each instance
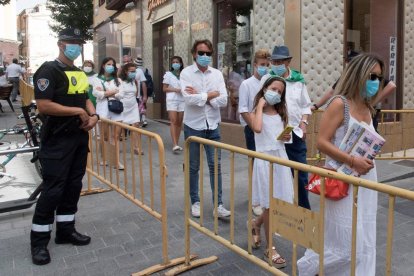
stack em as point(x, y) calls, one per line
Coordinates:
point(279, 210)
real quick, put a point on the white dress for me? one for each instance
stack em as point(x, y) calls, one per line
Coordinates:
point(282, 177)
point(338, 230)
point(102, 102)
point(131, 112)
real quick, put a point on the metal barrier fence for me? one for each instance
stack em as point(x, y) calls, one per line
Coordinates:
point(120, 162)
point(396, 126)
point(284, 216)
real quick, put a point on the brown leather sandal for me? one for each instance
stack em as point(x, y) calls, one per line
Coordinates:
point(277, 260)
point(255, 234)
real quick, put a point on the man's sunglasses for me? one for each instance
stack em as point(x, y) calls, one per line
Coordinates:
point(373, 77)
point(202, 53)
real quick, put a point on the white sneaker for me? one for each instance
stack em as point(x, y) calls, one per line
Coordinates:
point(257, 210)
point(222, 212)
point(177, 148)
point(195, 210)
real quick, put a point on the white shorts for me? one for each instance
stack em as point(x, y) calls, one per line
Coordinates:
point(174, 105)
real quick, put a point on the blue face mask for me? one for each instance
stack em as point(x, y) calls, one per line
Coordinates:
point(262, 70)
point(371, 88)
point(109, 69)
point(131, 75)
point(279, 70)
point(203, 61)
point(176, 66)
point(272, 97)
point(72, 51)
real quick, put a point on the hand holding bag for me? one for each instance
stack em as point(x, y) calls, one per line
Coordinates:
point(334, 189)
point(114, 105)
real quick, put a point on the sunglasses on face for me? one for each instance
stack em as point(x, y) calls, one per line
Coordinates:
point(373, 76)
point(202, 53)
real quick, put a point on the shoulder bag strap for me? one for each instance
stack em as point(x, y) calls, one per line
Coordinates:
point(346, 110)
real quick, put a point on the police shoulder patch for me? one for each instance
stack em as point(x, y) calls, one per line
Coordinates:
point(42, 84)
point(73, 81)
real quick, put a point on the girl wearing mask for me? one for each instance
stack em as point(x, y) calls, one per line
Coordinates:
point(358, 85)
point(175, 100)
point(269, 118)
point(130, 91)
point(88, 67)
point(106, 87)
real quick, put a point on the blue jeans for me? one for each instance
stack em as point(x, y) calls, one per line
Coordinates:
point(195, 161)
point(297, 152)
point(249, 136)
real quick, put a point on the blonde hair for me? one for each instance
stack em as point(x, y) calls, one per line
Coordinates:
point(261, 53)
point(355, 75)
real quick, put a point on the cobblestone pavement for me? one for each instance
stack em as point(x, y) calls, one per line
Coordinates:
point(125, 239)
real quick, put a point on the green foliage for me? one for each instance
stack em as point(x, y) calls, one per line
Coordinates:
point(4, 2)
point(72, 13)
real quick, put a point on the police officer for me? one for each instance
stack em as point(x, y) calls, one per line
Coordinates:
point(61, 92)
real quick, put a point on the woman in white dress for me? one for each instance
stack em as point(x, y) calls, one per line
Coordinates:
point(269, 118)
point(131, 114)
point(175, 100)
point(106, 87)
point(358, 84)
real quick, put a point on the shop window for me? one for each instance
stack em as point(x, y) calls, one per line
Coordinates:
point(101, 50)
point(372, 26)
point(234, 49)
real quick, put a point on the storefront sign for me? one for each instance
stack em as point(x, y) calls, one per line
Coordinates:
point(393, 57)
point(199, 26)
point(152, 4)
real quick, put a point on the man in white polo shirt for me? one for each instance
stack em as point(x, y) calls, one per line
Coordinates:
point(13, 72)
point(204, 93)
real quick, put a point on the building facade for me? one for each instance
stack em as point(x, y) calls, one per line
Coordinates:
point(9, 45)
point(318, 33)
point(33, 31)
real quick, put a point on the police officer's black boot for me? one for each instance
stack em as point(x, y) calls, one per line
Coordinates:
point(39, 241)
point(66, 233)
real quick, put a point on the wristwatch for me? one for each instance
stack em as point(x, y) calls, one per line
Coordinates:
point(97, 115)
point(305, 122)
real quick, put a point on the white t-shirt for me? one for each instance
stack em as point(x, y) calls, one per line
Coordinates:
point(174, 82)
point(247, 92)
point(14, 70)
point(139, 77)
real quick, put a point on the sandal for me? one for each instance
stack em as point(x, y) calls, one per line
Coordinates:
point(277, 260)
point(137, 152)
point(255, 234)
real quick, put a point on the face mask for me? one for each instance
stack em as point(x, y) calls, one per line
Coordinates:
point(131, 75)
point(72, 51)
point(203, 61)
point(176, 66)
point(279, 69)
point(87, 69)
point(261, 70)
point(109, 69)
point(371, 88)
point(272, 97)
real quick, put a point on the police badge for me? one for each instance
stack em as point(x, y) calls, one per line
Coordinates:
point(73, 81)
point(42, 84)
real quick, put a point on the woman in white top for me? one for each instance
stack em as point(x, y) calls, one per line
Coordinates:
point(129, 89)
point(269, 118)
point(106, 87)
point(358, 85)
point(175, 100)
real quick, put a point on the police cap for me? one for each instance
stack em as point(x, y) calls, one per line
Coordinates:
point(71, 34)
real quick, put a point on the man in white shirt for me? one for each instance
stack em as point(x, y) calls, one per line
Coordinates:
point(204, 93)
point(143, 95)
point(247, 94)
point(298, 105)
point(13, 73)
point(3, 79)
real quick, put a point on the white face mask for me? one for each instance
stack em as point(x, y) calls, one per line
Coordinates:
point(87, 69)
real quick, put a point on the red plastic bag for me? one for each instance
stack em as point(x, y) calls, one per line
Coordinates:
point(334, 189)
